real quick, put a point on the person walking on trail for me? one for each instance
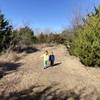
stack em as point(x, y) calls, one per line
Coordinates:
point(45, 59)
point(51, 59)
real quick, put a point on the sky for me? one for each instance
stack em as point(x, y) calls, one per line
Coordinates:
point(44, 14)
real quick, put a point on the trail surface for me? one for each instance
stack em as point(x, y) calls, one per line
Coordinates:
point(68, 73)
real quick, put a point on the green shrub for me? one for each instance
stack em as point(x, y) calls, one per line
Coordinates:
point(86, 43)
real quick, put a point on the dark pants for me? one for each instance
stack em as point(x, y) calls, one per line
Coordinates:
point(51, 63)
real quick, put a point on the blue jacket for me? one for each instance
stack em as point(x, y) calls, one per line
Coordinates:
point(51, 58)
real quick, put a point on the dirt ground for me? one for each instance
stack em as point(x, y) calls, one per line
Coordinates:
point(69, 79)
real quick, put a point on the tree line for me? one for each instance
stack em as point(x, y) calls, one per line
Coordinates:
point(82, 40)
point(11, 38)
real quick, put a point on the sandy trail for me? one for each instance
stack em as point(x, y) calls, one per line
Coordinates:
point(69, 74)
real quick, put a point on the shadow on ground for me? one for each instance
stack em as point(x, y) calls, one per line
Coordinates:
point(8, 67)
point(56, 64)
point(51, 93)
point(26, 50)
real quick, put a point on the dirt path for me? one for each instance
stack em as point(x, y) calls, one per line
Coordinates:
point(68, 74)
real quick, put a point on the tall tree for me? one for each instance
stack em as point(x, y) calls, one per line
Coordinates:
point(5, 33)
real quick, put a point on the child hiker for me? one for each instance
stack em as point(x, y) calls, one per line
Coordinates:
point(45, 59)
point(51, 59)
